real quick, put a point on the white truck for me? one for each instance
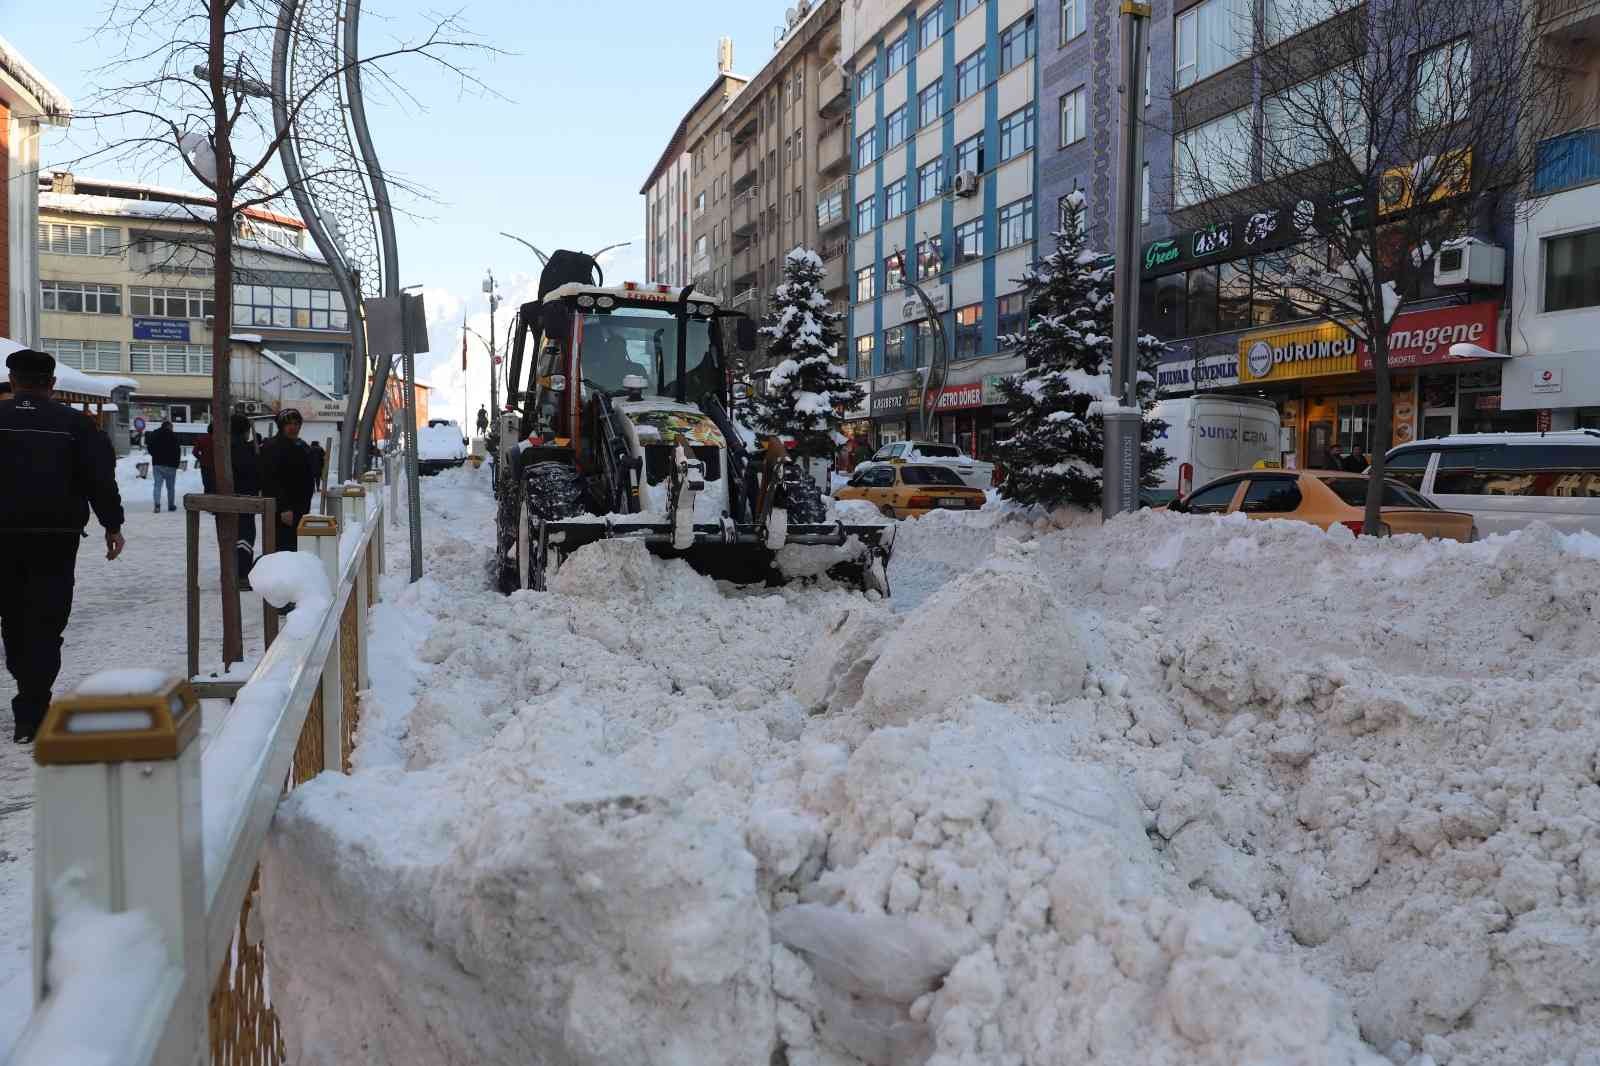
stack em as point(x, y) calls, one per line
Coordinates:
point(1208, 436)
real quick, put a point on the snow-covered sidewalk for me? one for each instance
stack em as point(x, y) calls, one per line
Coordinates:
point(1183, 792)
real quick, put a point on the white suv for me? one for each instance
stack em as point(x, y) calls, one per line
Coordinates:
point(1507, 480)
point(975, 473)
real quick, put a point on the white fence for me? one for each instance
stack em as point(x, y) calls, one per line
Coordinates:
point(132, 817)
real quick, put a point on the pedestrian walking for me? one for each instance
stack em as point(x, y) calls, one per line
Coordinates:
point(320, 457)
point(165, 454)
point(246, 482)
point(483, 420)
point(202, 453)
point(55, 465)
point(288, 475)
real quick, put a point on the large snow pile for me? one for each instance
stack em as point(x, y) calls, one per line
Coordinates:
point(1178, 792)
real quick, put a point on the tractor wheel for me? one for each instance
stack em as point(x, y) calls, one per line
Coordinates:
point(802, 498)
point(552, 492)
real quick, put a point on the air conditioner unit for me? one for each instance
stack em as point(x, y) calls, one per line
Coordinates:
point(967, 183)
point(1469, 262)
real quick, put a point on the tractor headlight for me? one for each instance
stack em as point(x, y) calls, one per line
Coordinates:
point(607, 302)
point(586, 301)
point(558, 383)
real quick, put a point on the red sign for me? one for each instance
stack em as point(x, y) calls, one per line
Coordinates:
point(1423, 338)
point(1542, 421)
point(959, 397)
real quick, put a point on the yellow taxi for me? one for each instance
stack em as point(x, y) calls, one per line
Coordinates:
point(1324, 498)
point(911, 490)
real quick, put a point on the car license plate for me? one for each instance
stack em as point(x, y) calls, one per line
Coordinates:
point(952, 501)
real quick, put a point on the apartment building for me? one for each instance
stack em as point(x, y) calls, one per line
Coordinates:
point(786, 176)
point(666, 214)
point(27, 103)
point(1555, 327)
point(126, 287)
point(943, 125)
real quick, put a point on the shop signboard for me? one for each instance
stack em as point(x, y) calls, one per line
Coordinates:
point(161, 329)
point(1243, 235)
point(959, 397)
point(896, 403)
point(1190, 374)
point(992, 396)
point(1420, 338)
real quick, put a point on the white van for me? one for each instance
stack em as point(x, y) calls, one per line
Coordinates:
point(1507, 480)
point(1209, 436)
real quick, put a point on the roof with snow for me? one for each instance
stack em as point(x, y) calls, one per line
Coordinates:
point(54, 107)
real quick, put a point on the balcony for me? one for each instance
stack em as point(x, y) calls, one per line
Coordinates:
point(831, 152)
point(744, 267)
point(742, 128)
point(833, 267)
point(746, 211)
point(743, 171)
point(831, 214)
point(833, 91)
point(1567, 161)
point(745, 297)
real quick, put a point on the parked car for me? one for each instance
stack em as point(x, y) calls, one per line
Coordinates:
point(440, 445)
point(1507, 480)
point(911, 490)
point(1324, 498)
point(974, 472)
point(1207, 436)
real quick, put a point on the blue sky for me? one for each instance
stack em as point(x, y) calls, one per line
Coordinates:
point(578, 111)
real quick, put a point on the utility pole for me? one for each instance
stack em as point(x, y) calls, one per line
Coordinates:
point(490, 287)
point(1123, 417)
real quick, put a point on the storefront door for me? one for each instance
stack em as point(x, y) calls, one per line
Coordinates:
point(1355, 427)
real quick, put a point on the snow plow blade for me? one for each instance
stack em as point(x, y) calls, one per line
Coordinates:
point(741, 553)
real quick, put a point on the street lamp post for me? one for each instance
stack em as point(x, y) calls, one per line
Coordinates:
point(940, 358)
point(491, 287)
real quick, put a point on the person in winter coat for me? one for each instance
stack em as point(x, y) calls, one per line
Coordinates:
point(246, 482)
point(321, 458)
point(55, 465)
point(288, 475)
point(165, 454)
point(483, 420)
point(202, 453)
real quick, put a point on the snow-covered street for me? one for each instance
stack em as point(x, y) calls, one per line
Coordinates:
point(1176, 791)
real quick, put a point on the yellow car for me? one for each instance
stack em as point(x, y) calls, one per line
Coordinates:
point(911, 490)
point(1324, 498)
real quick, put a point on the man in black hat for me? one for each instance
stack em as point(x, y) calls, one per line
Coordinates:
point(55, 464)
point(288, 475)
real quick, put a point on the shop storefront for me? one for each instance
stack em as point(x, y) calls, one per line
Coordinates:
point(1322, 379)
point(896, 415)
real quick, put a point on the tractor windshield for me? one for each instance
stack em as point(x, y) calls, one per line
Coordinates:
point(644, 341)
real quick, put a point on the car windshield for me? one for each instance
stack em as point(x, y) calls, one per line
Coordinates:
point(644, 341)
point(1353, 491)
point(929, 475)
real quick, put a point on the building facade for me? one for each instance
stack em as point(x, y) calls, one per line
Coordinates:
point(666, 215)
point(943, 127)
point(27, 103)
point(126, 287)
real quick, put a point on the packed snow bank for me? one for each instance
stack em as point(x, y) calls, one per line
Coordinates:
point(1177, 791)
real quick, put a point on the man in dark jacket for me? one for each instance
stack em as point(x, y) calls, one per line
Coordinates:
point(246, 482)
point(55, 464)
point(165, 454)
point(202, 455)
point(288, 475)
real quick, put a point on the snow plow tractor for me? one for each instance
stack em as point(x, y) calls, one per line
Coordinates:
point(625, 428)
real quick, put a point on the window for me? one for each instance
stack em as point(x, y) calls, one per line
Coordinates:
point(867, 80)
point(1213, 499)
point(261, 305)
point(1211, 36)
point(1275, 495)
point(919, 343)
point(930, 103)
point(830, 209)
point(894, 198)
point(969, 241)
point(932, 25)
point(1073, 21)
point(1211, 158)
point(969, 331)
point(894, 349)
point(59, 238)
point(1444, 84)
point(867, 215)
point(170, 303)
point(966, 7)
point(1285, 18)
point(1018, 42)
point(1074, 116)
point(899, 52)
point(969, 75)
point(1303, 122)
point(1572, 271)
point(1233, 295)
point(699, 203)
point(894, 277)
point(864, 354)
point(1202, 300)
point(1353, 491)
point(1161, 306)
point(930, 181)
point(930, 257)
point(148, 358)
point(81, 297)
point(867, 148)
point(866, 284)
point(1016, 133)
point(895, 128)
point(930, 475)
point(1016, 223)
point(1144, 195)
point(86, 355)
point(1012, 312)
point(969, 154)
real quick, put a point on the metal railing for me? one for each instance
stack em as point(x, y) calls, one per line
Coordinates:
point(134, 819)
point(1567, 161)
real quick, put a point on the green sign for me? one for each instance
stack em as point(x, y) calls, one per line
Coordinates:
point(1160, 253)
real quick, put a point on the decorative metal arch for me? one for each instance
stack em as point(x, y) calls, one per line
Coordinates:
point(337, 184)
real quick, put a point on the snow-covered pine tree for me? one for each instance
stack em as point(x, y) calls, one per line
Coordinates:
point(1056, 452)
point(807, 391)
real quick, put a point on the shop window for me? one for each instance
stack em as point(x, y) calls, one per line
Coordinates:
point(1233, 295)
point(1278, 495)
point(1202, 300)
point(1572, 271)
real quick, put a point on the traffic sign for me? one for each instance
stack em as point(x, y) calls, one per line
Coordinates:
point(138, 425)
